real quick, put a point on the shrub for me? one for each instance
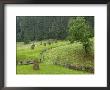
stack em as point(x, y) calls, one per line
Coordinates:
point(44, 44)
point(26, 41)
point(32, 46)
point(72, 54)
point(80, 30)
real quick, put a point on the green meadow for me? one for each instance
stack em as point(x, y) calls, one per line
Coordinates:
point(55, 45)
point(60, 52)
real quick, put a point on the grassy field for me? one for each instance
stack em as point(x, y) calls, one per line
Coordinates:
point(61, 52)
point(24, 52)
point(47, 69)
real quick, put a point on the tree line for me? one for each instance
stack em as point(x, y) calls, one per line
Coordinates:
point(33, 28)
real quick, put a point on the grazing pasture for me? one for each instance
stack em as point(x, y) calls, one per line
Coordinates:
point(55, 45)
point(56, 58)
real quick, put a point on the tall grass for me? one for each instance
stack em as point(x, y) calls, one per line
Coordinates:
point(69, 54)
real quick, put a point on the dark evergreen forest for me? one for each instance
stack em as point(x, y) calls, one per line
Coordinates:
point(33, 28)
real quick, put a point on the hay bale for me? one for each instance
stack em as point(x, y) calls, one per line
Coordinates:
point(44, 44)
point(32, 46)
point(36, 65)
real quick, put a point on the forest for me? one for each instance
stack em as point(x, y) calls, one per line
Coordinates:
point(54, 44)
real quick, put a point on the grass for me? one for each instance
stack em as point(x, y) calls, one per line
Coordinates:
point(47, 69)
point(24, 52)
point(61, 52)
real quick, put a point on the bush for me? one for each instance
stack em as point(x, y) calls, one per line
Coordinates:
point(91, 46)
point(80, 30)
point(26, 41)
point(72, 54)
point(32, 46)
point(49, 42)
point(44, 44)
point(64, 54)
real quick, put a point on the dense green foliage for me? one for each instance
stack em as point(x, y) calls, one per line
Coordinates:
point(39, 28)
point(69, 54)
point(80, 30)
point(30, 28)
